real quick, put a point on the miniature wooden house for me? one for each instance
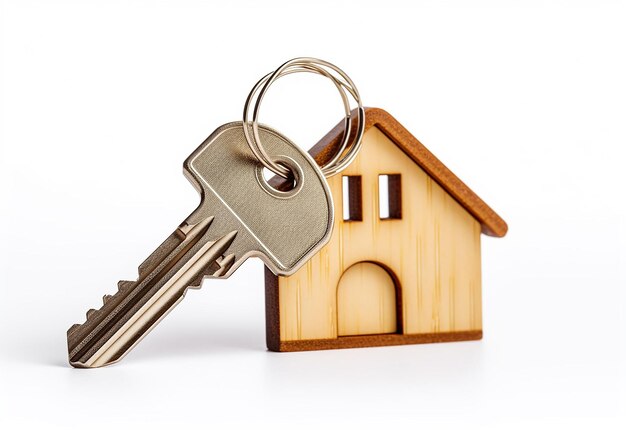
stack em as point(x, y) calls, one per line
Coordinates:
point(401, 269)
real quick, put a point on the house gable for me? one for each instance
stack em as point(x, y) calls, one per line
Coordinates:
point(491, 223)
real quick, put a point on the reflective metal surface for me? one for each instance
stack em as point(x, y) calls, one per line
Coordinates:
point(240, 215)
point(342, 158)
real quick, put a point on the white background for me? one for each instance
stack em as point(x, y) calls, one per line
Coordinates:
point(102, 101)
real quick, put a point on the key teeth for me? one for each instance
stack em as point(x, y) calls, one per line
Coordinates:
point(72, 329)
point(124, 285)
point(121, 285)
point(225, 264)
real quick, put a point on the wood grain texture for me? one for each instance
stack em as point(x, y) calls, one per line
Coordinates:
point(433, 252)
point(366, 301)
point(490, 221)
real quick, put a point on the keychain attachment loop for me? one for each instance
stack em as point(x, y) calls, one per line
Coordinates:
point(345, 153)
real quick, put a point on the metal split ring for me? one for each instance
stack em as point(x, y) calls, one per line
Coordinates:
point(343, 83)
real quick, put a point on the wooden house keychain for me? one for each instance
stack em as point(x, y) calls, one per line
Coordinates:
point(403, 264)
point(408, 272)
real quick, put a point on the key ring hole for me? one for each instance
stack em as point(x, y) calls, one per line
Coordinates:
point(276, 186)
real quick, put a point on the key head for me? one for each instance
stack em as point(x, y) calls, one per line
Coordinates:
point(283, 228)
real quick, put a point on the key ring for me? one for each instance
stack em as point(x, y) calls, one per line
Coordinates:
point(343, 83)
point(260, 152)
point(306, 64)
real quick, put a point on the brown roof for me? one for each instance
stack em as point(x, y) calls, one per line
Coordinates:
point(490, 222)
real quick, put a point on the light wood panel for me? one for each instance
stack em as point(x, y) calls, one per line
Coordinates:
point(434, 251)
point(366, 301)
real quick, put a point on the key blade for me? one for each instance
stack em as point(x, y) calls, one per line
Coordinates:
point(240, 216)
point(181, 262)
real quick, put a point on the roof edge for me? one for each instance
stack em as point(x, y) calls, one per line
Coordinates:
point(490, 221)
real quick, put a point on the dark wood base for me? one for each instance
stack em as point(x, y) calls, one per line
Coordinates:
point(373, 340)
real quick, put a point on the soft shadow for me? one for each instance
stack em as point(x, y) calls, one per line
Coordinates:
point(43, 350)
point(196, 341)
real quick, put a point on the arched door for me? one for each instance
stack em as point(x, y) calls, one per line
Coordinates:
point(366, 301)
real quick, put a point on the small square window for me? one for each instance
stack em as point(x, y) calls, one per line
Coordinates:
point(390, 197)
point(352, 199)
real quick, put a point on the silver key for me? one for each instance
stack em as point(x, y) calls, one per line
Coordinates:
point(240, 215)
